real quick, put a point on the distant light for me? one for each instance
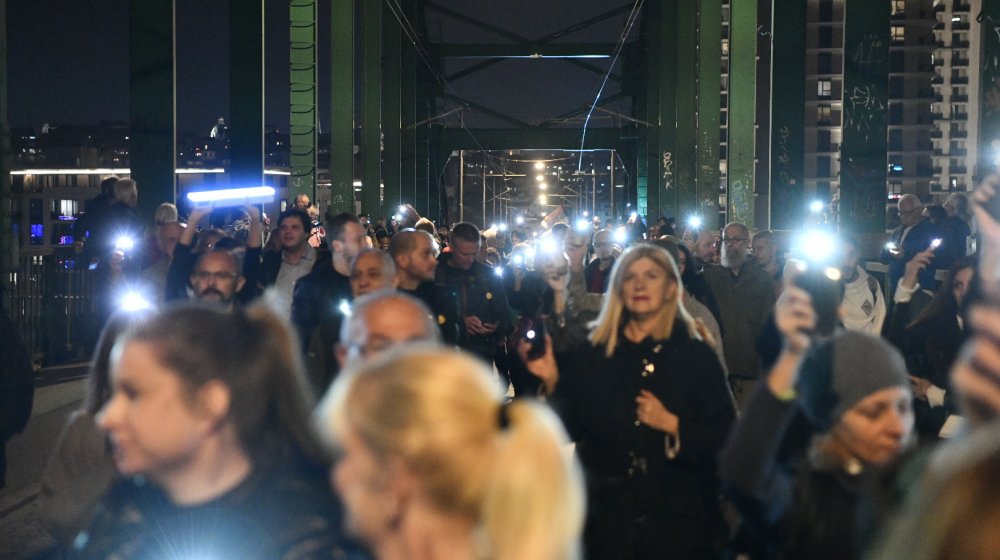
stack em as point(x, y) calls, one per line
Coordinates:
point(357, 183)
point(619, 234)
point(134, 301)
point(398, 218)
point(547, 245)
point(542, 199)
point(402, 209)
point(935, 243)
point(519, 220)
point(503, 227)
point(833, 273)
point(817, 246)
point(543, 186)
point(585, 213)
point(539, 165)
point(498, 270)
point(518, 260)
point(634, 215)
point(694, 222)
point(816, 206)
point(495, 227)
point(344, 308)
point(897, 168)
point(956, 18)
point(583, 225)
point(530, 335)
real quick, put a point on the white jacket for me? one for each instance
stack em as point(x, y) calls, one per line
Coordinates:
point(863, 307)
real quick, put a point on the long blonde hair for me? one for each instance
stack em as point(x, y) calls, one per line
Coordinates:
point(604, 330)
point(504, 469)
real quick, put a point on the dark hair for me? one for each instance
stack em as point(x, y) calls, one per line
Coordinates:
point(464, 231)
point(108, 185)
point(944, 303)
point(293, 212)
point(335, 225)
point(253, 353)
point(561, 228)
point(381, 234)
point(99, 372)
point(936, 212)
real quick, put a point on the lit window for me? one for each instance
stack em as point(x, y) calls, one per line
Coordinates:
point(898, 33)
point(824, 88)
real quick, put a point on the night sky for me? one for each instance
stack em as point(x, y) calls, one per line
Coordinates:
point(68, 60)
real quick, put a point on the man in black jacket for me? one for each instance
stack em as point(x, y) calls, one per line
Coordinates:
point(282, 269)
point(17, 387)
point(482, 299)
point(415, 253)
point(317, 295)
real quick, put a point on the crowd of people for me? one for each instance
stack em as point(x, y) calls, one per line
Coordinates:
point(522, 391)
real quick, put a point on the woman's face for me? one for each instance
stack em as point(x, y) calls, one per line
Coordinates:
point(646, 287)
point(153, 427)
point(361, 481)
point(878, 427)
point(960, 285)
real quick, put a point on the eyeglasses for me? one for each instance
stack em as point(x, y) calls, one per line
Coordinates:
point(734, 240)
point(220, 276)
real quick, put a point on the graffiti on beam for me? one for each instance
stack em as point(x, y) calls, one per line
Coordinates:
point(864, 111)
point(668, 170)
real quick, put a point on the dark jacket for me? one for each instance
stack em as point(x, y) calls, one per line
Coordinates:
point(481, 294)
point(918, 240)
point(443, 303)
point(640, 502)
point(282, 510)
point(17, 381)
point(184, 261)
point(592, 269)
point(744, 303)
point(317, 298)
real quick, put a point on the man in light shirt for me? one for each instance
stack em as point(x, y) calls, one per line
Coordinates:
point(863, 307)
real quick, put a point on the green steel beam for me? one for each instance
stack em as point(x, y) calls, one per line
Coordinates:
point(605, 100)
point(989, 92)
point(865, 124)
point(489, 112)
point(302, 98)
point(152, 124)
point(371, 110)
point(246, 92)
point(522, 50)
point(742, 102)
point(342, 106)
point(666, 107)
point(392, 68)
point(685, 85)
point(788, 94)
point(709, 86)
point(8, 245)
point(408, 115)
point(530, 139)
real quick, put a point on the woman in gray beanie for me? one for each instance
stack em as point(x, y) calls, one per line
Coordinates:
point(851, 393)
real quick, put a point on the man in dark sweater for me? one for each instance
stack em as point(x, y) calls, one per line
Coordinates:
point(415, 254)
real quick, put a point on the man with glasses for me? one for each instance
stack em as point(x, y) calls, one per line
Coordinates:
point(382, 321)
point(914, 235)
point(598, 270)
point(745, 296)
point(217, 278)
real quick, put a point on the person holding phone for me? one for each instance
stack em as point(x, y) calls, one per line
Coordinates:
point(646, 402)
point(913, 236)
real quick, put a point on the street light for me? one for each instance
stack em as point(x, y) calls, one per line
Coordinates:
point(543, 186)
point(539, 178)
point(539, 165)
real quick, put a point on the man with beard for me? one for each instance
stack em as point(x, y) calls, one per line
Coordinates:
point(216, 278)
point(282, 269)
point(415, 253)
point(745, 297)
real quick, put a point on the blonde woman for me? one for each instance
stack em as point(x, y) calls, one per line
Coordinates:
point(433, 466)
point(647, 404)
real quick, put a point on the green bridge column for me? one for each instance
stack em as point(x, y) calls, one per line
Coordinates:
point(989, 88)
point(246, 92)
point(341, 107)
point(392, 67)
point(709, 97)
point(152, 153)
point(665, 180)
point(302, 99)
point(408, 116)
point(8, 245)
point(680, 168)
point(788, 94)
point(371, 109)
point(742, 104)
point(865, 123)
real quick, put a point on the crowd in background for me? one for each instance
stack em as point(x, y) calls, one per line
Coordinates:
point(533, 390)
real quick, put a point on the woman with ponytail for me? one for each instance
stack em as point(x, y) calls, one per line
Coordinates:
point(209, 421)
point(433, 465)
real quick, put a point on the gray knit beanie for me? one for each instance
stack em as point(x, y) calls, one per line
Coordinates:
point(845, 369)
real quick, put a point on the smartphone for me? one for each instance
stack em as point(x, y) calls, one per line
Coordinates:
point(532, 330)
point(935, 243)
point(826, 295)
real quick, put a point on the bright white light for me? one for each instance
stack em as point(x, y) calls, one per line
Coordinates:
point(344, 308)
point(134, 301)
point(530, 335)
point(249, 195)
point(833, 273)
point(619, 235)
point(124, 243)
point(357, 183)
point(582, 224)
point(694, 222)
point(518, 260)
point(634, 215)
point(530, 252)
point(498, 271)
point(542, 199)
point(539, 165)
point(503, 227)
point(547, 245)
point(398, 217)
point(539, 178)
point(585, 213)
point(891, 246)
point(817, 246)
point(519, 220)
point(816, 206)
point(543, 186)
point(495, 227)
point(936, 243)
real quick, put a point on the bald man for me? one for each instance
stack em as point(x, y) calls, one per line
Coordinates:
point(415, 253)
point(914, 235)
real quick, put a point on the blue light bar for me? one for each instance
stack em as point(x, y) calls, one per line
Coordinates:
point(233, 197)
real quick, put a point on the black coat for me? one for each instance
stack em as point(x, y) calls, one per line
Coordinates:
point(642, 504)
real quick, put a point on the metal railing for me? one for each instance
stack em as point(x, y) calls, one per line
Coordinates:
point(53, 300)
